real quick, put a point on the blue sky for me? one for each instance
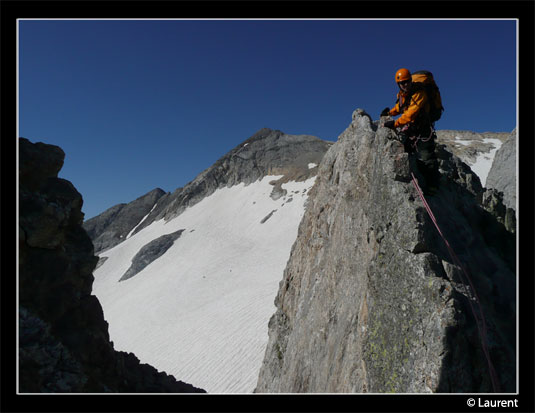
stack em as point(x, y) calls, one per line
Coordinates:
point(140, 104)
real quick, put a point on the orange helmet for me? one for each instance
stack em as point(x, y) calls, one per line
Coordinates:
point(402, 74)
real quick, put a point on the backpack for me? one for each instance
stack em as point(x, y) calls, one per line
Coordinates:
point(425, 79)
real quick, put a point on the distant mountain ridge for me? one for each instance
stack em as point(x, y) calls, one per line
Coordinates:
point(468, 145)
point(267, 152)
point(270, 151)
point(113, 225)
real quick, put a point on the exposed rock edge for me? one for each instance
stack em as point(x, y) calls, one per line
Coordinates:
point(371, 301)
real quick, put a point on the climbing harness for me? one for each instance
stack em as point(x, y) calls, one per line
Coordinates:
point(481, 324)
point(413, 140)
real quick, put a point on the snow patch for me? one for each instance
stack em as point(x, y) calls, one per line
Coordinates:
point(140, 222)
point(483, 163)
point(312, 165)
point(200, 311)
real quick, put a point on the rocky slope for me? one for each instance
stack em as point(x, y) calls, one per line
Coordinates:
point(113, 226)
point(502, 174)
point(267, 152)
point(468, 145)
point(64, 341)
point(371, 300)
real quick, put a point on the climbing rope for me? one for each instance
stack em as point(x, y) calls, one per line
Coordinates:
point(413, 140)
point(481, 324)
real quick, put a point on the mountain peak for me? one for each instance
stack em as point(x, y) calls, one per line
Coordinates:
point(267, 152)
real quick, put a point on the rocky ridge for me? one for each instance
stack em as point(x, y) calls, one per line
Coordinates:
point(267, 152)
point(371, 300)
point(113, 226)
point(64, 343)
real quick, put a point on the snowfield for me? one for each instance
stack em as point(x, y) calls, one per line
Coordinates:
point(200, 311)
point(484, 161)
point(481, 166)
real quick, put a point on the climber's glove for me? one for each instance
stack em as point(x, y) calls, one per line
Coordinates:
point(385, 112)
point(390, 124)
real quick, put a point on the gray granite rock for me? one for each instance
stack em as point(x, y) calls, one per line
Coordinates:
point(502, 174)
point(371, 300)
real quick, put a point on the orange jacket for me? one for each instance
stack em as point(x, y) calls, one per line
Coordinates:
point(412, 110)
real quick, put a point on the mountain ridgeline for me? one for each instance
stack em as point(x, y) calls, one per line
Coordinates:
point(267, 152)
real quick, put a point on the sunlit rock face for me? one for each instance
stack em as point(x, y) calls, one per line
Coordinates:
point(371, 299)
point(502, 174)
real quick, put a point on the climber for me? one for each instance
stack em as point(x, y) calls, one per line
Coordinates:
point(415, 127)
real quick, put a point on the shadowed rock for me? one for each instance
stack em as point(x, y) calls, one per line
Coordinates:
point(64, 343)
point(150, 252)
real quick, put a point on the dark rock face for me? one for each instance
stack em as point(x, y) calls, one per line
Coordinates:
point(150, 252)
point(493, 202)
point(372, 301)
point(502, 174)
point(47, 365)
point(113, 225)
point(64, 341)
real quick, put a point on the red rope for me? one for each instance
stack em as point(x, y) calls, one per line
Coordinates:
point(481, 324)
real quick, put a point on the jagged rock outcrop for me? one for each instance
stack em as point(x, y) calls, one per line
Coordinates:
point(113, 226)
point(371, 300)
point(267, 152)
point(502, 174)
point(493, 202)
point(64, 341)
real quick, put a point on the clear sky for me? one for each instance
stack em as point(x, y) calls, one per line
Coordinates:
point(140, 104)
